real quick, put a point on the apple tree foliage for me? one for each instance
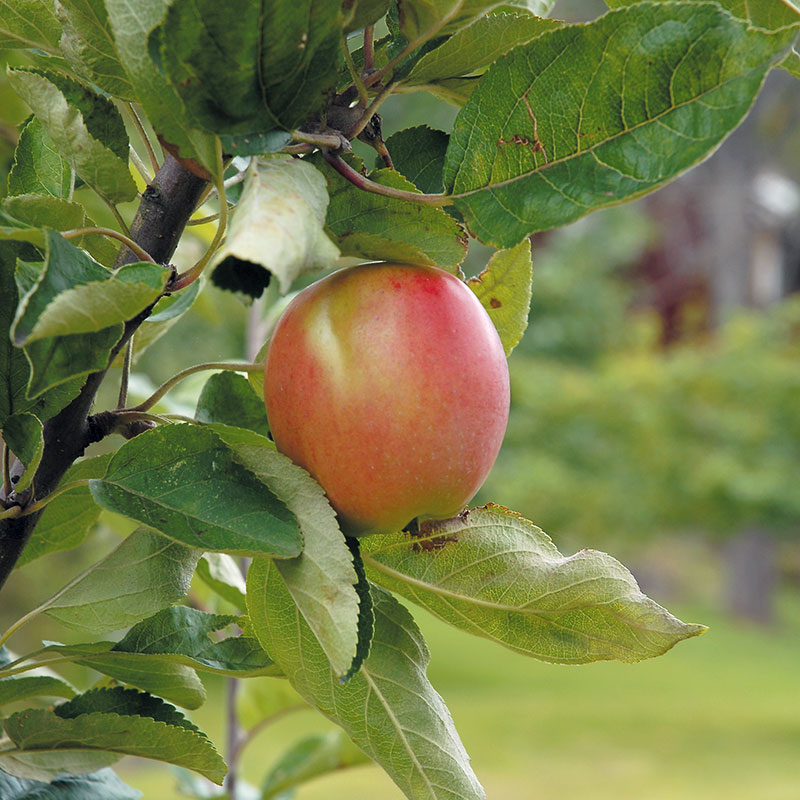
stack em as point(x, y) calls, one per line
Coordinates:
point(258, 103)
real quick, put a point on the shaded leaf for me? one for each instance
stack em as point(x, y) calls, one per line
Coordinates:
point(102, 785)
point(309, 758)
point(66, 520)
point(389, 709)
point(322, 579)
point(19, 687)
point(39, 168)
point(23, 433)
point(108, 735)
point(370, 225)
point(504, 289)
point(492, 573)
point(144, 573)
point(792, 63)
point(183, 481)
point(557, 129)
point(273, 63)
point(418, 155)
point(277, 228)
point(360, 13)
point(86, 127)
point(265, 698)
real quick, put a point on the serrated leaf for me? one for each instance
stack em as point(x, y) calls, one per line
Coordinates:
point(321, 580)
point(66, 520)
point(114, 735)
point(184, 481)
point(370, 225)
point(277, 227)
point(228, 399)
point(23, 434)
point(418, 155)
point(389, 709)
point(143, 574)
point(14, 368)
point(366, 613)
point(38, 166)
point(273, 63)
point(494, 574)
point(77, 295)
point(792, 63)
point(88, 45)
point(126, 702)
point(20, 687)
point(557, 129)
point(504, 289)
point(472, 49)
point(29, 23)
point(309, 758)
point(131, 25)
point(221, 573)
point(86, 128)
point(187, 634)
point(102, 785)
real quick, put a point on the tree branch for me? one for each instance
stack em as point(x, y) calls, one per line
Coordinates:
point(165, 208)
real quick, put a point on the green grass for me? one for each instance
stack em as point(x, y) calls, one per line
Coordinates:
point(716, 718)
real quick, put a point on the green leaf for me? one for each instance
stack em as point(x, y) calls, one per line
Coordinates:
point(767, 14)
point(265, 698)
point(527, 155)
point(321, 580)
point(111, 735)
point(75, 294)
point(143, 574)
point(86, 127)
point(14, 368)
point(19, 687)
point(38, 166)
point(127, 702)
point(102, 785)
point(360, 13)
point(88, 45)
point(366, 613)
point(66, 520)
point(29, 23)
point(47, 764)
point(792, 63)
point(370, 225)
point(389, 709)
point(256, 144)
point(23, 433)
point(187, 633)
point(494, 574)
point(418, 155)
point(183, 481)
point(309, 758)
point(474, 48)
point(273, 62)
point(277, 229)
point(504, 289)
point(221, 573)
point(131, 24)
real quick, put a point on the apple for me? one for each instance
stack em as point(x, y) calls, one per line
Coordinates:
point(389, 384)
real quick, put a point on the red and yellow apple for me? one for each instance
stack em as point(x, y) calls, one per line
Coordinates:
point(389, 384)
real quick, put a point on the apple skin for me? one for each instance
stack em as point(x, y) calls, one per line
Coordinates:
point(389, 384)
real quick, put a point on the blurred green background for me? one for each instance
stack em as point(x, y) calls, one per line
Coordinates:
point(655, 416)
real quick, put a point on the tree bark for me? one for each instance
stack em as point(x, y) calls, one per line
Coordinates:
point(164, 210)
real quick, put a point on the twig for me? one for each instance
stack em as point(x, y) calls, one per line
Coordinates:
point(126, 371)
point(175, 379)
point(357, 179)
point(137, 123)
point(370, 112)
point(126, 240)
point(369, 48)
point(233, 736)
point(6, 470)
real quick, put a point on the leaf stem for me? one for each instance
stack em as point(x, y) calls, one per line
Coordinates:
point(369, 48)
point(10, 513)
point(137, 123)
point(142, 254)
point(140, 165)
point(120, 221)
point(370, 112)
point(191, 275)
point(357, 179)
point(175, 379)
point(40, 504)
point(334, 141)
point(359, 84)
point(122, 399)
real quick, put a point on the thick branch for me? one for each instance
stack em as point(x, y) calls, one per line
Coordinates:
point(163, 213)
